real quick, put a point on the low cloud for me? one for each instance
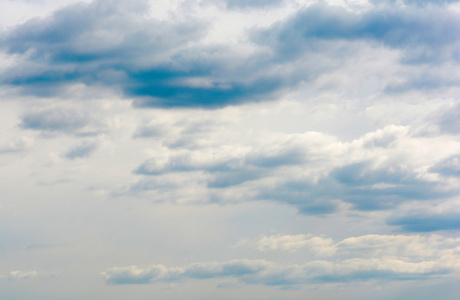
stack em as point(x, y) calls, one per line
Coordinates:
point(15, 146)
point(55, 120)
point(17, 275)
point(364, 258)
point(169, 64)
point(85, 149)
point(374, 172)
point(427, 222)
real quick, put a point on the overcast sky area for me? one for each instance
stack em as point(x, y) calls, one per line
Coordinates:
point(229, 149)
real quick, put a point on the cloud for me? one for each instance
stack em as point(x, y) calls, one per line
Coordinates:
point(414, 2)
point(372, 246)
point(241, 4)
point(375, 172)
point(83, 150)
point(55, 119)
point(448, 120)
point(448, 167)
point(158, 62)
point(162, 63)
point(427, 222)
point(371, 257)
point(402, 28)
point(318, 246)
point(17, 145)
point(14, 275)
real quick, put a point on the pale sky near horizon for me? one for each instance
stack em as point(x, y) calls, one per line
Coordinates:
point(229, 149)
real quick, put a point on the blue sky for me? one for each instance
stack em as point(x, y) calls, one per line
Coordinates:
point(199, 149)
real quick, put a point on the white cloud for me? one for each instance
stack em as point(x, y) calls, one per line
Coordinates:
point(22, 274)
point(371, 257)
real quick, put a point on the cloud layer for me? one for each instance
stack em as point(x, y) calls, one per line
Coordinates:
point(362, 258)
point(229, 149)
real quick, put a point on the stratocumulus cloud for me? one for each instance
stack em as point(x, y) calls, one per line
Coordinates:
point(357, 259)
point(367, 183)
point(182, 71)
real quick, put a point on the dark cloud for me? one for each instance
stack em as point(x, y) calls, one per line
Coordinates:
point(366, 187)
point(163, 64)
point(427, 223)
point(114, 44)
point(370, 188)
point(309, 198)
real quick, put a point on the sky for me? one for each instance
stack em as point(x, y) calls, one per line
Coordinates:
point(229, 149)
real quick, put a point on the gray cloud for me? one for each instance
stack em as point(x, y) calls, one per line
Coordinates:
point(449, 120)
point(164, 64)
point(301, 171)
point(396, 28)
point(15, 146)
point(82, 150)
point(56, 119)
point(414, 2)
point(427, 223)
point(366, 187)
point(448, 167)
point(252, 3)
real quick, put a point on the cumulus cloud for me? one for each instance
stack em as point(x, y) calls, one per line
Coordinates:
point(371, 257)
point(374, 172)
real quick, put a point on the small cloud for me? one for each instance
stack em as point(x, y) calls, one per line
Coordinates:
point(56, 119)
point(317, 246)
point(244, 4)
point(16, 146)
point(148, 131)
point(85, 149)
point(22, 274)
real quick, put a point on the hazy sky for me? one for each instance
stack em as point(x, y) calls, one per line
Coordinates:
point(229, 149)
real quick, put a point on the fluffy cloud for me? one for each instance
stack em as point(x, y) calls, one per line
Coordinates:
point(374, 172)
